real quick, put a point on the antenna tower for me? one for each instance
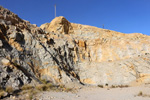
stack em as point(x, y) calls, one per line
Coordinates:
point(55, 10)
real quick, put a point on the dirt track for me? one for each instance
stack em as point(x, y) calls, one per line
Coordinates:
point(97, 93)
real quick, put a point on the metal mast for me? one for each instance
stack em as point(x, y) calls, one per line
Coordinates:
point(55, 10)
point(103, 26)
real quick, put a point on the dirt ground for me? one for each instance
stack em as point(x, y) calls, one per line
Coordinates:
point(97, 93)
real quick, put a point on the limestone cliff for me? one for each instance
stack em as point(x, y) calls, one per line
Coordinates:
point(103, 56)
point(62, 53)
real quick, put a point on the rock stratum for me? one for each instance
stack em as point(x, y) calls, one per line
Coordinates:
point(64, 53)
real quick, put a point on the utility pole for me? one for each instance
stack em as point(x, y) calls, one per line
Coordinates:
point(55, 10)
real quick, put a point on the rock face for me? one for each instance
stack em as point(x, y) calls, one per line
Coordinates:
point(15, 55)
point(59, 25)
point(62, 53)
point(103, 56)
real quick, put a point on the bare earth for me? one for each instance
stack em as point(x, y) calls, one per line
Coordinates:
point(97, 93)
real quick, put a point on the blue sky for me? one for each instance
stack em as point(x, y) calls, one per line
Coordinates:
point(127, 16)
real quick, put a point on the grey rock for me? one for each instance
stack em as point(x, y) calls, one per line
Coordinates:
point(5, 61)
point(87, 55)
point(17, 36)
point(1, 43)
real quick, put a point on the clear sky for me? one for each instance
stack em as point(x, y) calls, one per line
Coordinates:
point(127, 16)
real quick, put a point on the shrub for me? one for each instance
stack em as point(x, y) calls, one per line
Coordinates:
point(113, 86)
point(119, 86)
point(140, 93)
point(26, 87)
point(68, 89)
point(2, 93)
point(42, 87)
point(31, 93)
point(101, 86)
point(143, 95)
point(61, 86)
point(43, 81)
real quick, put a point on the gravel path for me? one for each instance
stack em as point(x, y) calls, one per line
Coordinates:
point(96, 93)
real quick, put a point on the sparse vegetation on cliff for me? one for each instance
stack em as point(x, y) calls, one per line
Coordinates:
point(143, 94)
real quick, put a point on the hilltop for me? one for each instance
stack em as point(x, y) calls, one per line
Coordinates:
point(70, 54)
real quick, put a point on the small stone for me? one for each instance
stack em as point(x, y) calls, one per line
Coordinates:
point(5, 94)
point(5, 61)
point(77, 96)
point(34, 25)
point(1, 43)
point(12, 97)
point(51, 97)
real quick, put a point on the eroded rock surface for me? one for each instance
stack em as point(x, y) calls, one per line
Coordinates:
point(32, 54)
point(63, 53)
point(103, 56)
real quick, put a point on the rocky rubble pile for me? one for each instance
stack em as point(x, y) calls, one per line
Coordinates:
point(65, 53)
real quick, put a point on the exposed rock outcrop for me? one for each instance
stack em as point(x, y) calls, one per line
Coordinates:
point(15, 70)
point(62, 53)
point(59, 25)
point(31, 54)
point(103, 56)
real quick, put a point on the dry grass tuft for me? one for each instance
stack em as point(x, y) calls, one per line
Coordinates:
point(119, 86)
point(143, 95)
point(68, 90)
point(46, 87)
point(101, 86)
point(9, 89)
point(140, 93)
point(31, 93)
point(42, 87)
point(26, 87)
point(43, 81)
point(2, 93)
point(28, 92)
